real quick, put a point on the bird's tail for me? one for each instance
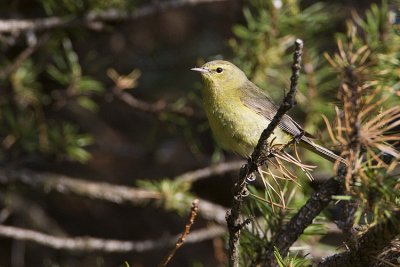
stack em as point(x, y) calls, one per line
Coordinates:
point(322, 151)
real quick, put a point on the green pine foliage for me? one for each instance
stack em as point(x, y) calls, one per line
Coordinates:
point(27, 128)
point(173, 195)
point(263, 48)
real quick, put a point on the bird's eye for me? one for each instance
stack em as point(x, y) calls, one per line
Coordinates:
point(219, 70)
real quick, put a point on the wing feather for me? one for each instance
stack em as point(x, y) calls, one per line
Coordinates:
point(257, 100)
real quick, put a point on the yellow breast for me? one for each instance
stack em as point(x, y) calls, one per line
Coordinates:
point(235, 126)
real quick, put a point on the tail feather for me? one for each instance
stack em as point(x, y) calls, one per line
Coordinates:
point(322, 151)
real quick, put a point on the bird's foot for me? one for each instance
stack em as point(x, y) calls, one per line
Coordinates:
point(297, 138)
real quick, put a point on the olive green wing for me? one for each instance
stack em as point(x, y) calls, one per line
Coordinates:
point(255, 99)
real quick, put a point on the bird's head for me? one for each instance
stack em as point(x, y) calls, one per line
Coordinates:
point(221, 74)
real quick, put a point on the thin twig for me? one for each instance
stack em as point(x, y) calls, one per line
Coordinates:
point(258, 158)
point(288, 102)
point(94, 19)
point(89, 244)
point(182, 238)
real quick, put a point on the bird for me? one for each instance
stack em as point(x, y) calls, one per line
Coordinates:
point(238, 111)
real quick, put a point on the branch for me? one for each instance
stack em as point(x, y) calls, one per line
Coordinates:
point(290, 232)
point(179, 243)
point(64, 184)
point(258, 158)
point(89, 244)
point(32, 214)
point(212, 170)
point(368, 246)
point(118, 194)
point(211, 211)
point(155, 108)
point(94, 19)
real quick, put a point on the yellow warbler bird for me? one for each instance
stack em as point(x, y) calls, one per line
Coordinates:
point(238, 112)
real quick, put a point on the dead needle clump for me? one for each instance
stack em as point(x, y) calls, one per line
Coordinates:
point(366, 126)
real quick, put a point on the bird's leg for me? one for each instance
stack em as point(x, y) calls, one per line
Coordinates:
point(277, 148)
point(269, 150)
point(297, 138)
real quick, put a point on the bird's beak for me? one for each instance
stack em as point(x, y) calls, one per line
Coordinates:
point(202, 70)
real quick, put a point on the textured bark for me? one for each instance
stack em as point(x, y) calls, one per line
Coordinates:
point(366, 249)
point(303, 218)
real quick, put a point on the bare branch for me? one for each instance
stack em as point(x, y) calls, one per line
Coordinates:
point(115, 193)
point(258, 158)
point(182, 238)
point(64, 184)
point(94, 19)
point(212, 170)
point(211, 211)
point(155, 108)
point(288, 102)
point(89, 244)
point(32, 214)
